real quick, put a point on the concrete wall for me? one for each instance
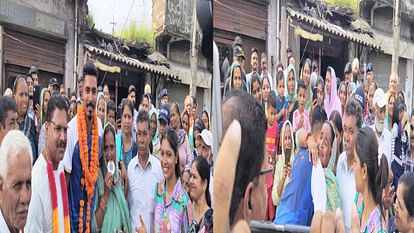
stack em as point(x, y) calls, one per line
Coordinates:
point(64, 10)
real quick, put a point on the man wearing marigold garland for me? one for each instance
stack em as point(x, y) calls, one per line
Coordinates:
point(81, 160)
point(49, 209)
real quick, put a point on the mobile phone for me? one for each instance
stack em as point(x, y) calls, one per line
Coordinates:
point(314, 93)
point(36, 96)
point(270, 227)
point(287, 156)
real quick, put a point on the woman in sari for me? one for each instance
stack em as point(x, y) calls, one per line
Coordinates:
point(111, 207)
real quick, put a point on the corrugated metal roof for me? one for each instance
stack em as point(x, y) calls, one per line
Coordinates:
point(156, 69)
point(360, 38)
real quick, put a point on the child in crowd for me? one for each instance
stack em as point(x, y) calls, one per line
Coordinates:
point(281, 102)
point(300, 116)
point(271, 144)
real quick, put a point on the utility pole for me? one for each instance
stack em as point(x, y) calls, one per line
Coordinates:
point(396, 37)
point(113, 24)
point(194, 53)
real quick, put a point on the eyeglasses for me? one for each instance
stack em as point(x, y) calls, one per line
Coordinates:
point(59, 128)
point(264, 172)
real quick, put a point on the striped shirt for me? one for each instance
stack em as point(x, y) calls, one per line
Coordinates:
point(172, 215)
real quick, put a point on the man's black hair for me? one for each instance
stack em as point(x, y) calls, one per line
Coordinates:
point(90, 69)
point(243, 107)
point(319, 116)
point(56, 101)
point(7, 103)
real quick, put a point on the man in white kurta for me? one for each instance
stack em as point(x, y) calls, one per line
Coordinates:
point(40, 209)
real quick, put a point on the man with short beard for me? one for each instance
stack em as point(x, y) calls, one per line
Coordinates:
point(15, 181)
point(48, 175)
point(84, 143)
point(383, 134)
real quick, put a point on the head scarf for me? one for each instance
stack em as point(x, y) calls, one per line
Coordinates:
point(282, 133)
point(332, 190)
point(290, 97)
point(155, 138)
point(331, 101)
point(42, 97)
point(234, 65)
point(100, 96)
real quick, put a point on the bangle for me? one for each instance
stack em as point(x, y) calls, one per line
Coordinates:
point(102, 204)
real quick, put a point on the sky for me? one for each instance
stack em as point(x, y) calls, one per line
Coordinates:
point(107, 11)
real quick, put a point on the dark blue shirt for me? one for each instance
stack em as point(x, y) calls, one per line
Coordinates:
point(296, 205)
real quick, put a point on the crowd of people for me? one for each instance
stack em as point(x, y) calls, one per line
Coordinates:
point(336, 146)
point(79, 163)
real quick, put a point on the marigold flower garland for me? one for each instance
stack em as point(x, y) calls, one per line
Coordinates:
point(54, 199)
point(89, 168)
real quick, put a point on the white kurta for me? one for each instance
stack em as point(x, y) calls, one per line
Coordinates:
point(3, 226)
point(39, 218)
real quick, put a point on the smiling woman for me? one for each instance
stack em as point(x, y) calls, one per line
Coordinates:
point(172, 204)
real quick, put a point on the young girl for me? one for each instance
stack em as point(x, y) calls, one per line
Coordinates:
point(301, 116)
point(265, 92)
point(281, 103)
point(305, 76)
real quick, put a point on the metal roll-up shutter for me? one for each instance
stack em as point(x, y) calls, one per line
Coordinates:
point(382, 70)
point(26, 50)
point(178, 92)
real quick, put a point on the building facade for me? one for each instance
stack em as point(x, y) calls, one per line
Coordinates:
point(38, 33)
point(173, 33)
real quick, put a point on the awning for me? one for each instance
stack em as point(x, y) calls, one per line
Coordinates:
point(156, 69)
point(360, 38)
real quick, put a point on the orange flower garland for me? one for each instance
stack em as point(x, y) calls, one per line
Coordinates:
point(89, 168)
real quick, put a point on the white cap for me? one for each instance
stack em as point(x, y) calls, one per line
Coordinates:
point(147, 89)
point(207, 137)
point(379, 98)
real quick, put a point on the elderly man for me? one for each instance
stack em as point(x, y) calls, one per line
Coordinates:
point(249, 196)
point(392, 86)
point(355, 72)
point(383, 135)
point(48, 174)
point(204, 147)
point(15, 181)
